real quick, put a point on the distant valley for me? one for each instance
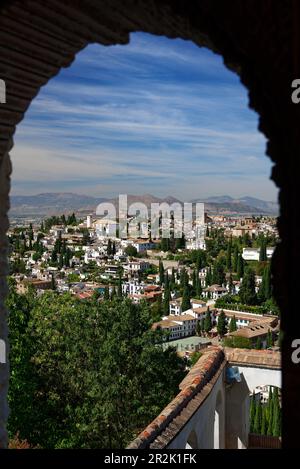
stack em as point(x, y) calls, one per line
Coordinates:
point(65, 202)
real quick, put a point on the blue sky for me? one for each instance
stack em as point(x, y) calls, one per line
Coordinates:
point(156, 116)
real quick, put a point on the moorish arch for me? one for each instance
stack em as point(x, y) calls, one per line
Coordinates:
point(192, 441)
point(258, 39)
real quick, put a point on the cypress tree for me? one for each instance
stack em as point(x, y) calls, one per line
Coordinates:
point(198, 328)
point(198, 261)
point(268, 286)
point(276, 424)
point(230, 284)
point(166, 301)
point(270, 413)
point(119, 292)
point(161, 272)
point(184, 280)
point(247, 292)
point(165, 244)
point(207, 321)
point(53, 283)
point(235, 258)
point(240, 266)
point(229, 253)
point(194, 281)
point(186, 303)
point(232, 325)
point(218, 276)
point(258, 344)
point(208, 278)
point(252, 412)
point(263, 251)
point(269, 339)
point(106, 293)
point(198, 288)
point(276, 431)
point(263, 430)
point(258, 418)
point(173, 278)
point(221, 326)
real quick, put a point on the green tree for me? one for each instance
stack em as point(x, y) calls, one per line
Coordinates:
point(252, 412)
point(235, 258)
point(198, 287)
point(229, 254)
point(263, 429)
point(208, 278)
point(180, 243)
point(270, 413)
point(218, 276)
point(131, 251)
point(165, 244)
point(258, 418)
point(161, 272)
point(263, 251)
point(93, 373)
point(247, 292)
point(106, 293)
point(232, 324)
point(269, 339)
point(166, 300)
point(222, 325)
point(119, 290)
point(207, 321)
point(258, 344)
point(53, 283)
point(265, 289)
point(240, 267)
point(276, 424)
point(186, 300)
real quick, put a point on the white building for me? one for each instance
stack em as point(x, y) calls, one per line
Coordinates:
point(214, 292)
point(134, 267)
point(194, 244)
point(177, 326)
point(133, 287)
point(252, 254)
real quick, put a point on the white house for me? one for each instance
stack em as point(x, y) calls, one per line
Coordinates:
point(214, 292)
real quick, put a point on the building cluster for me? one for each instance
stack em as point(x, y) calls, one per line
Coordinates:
point(88, 257)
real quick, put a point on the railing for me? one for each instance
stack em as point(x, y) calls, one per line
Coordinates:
point(264, 441)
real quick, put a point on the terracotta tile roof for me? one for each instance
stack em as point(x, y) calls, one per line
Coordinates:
point(193, 391)
point(259, 358)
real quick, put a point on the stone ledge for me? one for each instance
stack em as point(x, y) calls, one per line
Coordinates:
point(197, 379)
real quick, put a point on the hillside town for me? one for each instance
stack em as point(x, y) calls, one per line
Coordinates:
point(201, 291)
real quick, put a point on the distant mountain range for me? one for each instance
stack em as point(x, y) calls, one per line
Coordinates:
point(243, 205)
point(64, 202)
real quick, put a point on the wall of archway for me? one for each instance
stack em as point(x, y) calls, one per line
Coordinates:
point(260, 40)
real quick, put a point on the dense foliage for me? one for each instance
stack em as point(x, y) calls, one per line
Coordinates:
point(85, 374)
point(265, 419)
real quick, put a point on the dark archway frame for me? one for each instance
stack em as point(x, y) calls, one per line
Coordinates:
point(258, 39)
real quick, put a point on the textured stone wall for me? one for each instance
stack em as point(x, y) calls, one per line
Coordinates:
point(5, 170)
point(259, 39)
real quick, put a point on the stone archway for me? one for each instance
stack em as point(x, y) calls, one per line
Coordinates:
point(259, 40)
point(192, 441)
